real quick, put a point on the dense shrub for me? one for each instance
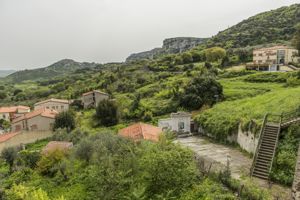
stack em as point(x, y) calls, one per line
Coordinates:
point(200, 91)
point(66, 120)
point(107, 113)
point(286, 155)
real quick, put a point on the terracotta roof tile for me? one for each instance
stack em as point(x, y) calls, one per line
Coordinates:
point(13, 109)
point(141, 131)
point(7, 136)
point(43, 112)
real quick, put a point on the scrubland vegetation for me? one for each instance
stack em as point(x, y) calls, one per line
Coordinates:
point(103, 165)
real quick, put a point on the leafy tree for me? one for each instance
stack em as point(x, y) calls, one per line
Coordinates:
point(178, 60)
point(77, 105)
point(21, 192)
point(156, 165)
point(215, 54)
point(296, 39)
point(84, 151)
point(65, 119)
point(9, 154)
point(225, 61)
point(201, 90)
point(107, 113)
point(198, 56)
point(28, 158)
point(187, 57)
point(3, 95)
point(49, 162)
point(17, 91)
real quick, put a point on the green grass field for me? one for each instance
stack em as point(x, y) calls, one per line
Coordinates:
point(247, 102)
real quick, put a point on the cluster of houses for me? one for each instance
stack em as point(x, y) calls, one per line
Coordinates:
point(275, 58)
point(43, 115)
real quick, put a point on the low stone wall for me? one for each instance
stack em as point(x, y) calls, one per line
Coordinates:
point(25, 137)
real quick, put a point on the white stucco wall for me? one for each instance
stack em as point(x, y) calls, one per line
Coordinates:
point(247, 140)
point(60, 107)
point(5, 116)
point(173, 124)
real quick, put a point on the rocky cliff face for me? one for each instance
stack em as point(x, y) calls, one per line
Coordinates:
point(170, 46)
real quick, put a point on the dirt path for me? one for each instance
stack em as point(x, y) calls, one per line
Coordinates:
point(240, 164)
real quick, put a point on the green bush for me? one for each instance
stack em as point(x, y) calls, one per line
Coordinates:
point(65, 119)
point(201, 91)
point(107, 113)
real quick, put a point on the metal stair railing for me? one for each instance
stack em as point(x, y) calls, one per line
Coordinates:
point(275, 147)
point(259, 144)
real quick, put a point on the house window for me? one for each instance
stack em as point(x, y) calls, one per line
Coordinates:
point(47, 107)
point(62, 107)
point(4, 116)
point(53, 107)
point(260, 54)
point(181, 125)
point(33, 127)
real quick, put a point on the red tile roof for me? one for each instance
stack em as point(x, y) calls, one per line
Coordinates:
point(43, 112)
point(140, 131)
point(57, 145)
point(64, 101)
point(13, 109)
point(7, 136)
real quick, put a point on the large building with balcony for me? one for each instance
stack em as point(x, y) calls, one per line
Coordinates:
point(274, 58)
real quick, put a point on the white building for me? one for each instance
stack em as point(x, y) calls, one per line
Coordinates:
point(10, 113)
point(178, 122)
point(59, 105)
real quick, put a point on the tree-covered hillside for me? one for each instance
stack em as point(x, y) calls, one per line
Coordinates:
point(267, 27)
point(59, 68)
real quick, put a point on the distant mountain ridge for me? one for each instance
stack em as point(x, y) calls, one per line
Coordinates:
point(59, 68)
point(170, 46)
point(4, 73)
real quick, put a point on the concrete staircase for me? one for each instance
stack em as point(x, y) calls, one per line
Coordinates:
point(269, 134)
point(266, 151)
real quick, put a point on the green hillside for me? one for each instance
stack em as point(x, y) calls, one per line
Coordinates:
point(267, 27)
point(60, 68)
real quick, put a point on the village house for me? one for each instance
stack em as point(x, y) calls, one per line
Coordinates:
point(178, 122)
point(276, 58)
point(91, 99)
point(38, 120)
point(57, 145)
point(141, 131)
point(12, 112)
point(59, 105)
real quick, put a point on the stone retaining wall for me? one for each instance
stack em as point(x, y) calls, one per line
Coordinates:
point(25, 137)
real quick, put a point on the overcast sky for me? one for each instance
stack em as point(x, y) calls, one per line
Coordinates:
point(37, 33)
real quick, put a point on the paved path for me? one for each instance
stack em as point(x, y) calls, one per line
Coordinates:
point(240, 164)
point(218, 154)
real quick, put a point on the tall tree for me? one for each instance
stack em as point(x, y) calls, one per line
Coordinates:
point(296, 39)
point(65, 120)
point(107, 113)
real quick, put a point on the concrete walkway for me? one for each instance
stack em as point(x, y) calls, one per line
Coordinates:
point(217, 155)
